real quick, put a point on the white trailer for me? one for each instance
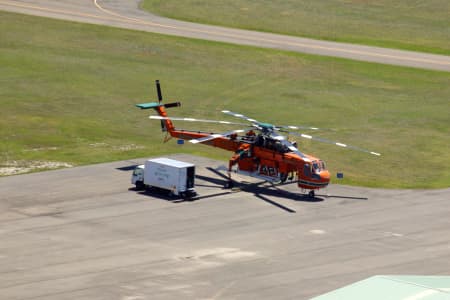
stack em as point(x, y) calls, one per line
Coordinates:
point(175, 176)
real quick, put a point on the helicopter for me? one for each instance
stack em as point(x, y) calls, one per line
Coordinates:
point(260, 150)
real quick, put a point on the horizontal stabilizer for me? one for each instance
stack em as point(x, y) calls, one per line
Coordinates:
point(148, 105)
point(156, 105)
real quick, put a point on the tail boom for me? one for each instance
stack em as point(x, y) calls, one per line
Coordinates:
point(166, 124)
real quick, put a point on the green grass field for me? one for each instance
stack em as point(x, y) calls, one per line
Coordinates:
point(414, 25)
point(67, 94)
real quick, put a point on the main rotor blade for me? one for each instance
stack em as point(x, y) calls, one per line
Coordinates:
point(240, 116)
point(215, 136)
point(322, 140)
point(196, 120)
point(255, 122)
point(297, 127)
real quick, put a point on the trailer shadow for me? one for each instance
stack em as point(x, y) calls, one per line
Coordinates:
point(158, 193)
point(127, 168)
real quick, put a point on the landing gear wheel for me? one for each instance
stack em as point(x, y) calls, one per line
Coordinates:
point(312, 194)
point(229, 184)
point(139, 185)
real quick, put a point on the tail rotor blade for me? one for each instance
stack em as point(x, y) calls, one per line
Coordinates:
point(158, 90)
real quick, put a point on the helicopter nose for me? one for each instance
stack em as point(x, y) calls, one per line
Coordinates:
point(325, 175)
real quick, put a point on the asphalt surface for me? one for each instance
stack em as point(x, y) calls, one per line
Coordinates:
point(125, 14)
point(85, 233)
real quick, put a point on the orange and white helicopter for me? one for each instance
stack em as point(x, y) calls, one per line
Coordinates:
point(260, 150)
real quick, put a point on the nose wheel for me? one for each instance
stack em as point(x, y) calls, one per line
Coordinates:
point(229, 184)
point(312, 194)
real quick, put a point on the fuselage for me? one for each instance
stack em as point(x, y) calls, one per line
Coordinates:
point(260, 156)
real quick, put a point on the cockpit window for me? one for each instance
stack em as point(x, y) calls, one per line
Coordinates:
point(316, 167)
point(307, 170)
point(319, 166)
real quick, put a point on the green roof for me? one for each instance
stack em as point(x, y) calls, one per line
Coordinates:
point(394, 288)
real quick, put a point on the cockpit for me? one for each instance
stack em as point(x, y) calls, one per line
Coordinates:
point(318, 166)
point(314, 169)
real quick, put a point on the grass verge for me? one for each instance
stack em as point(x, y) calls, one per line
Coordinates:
point(67, 94)
point(411, 25)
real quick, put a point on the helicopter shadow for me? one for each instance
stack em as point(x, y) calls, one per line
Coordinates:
point(242, 187)
point(346, 197)
point(261, 190)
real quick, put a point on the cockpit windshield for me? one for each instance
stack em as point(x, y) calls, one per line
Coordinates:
point(318, 166)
